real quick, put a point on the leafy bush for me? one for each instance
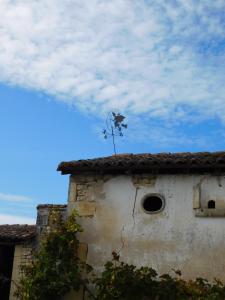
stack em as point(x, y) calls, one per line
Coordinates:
point(55, 269)
point(126, 282)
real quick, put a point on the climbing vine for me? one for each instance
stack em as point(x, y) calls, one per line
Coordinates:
point(56, 269)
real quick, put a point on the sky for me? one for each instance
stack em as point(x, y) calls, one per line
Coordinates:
point(64, 65)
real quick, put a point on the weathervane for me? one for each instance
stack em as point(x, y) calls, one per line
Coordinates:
point(114, 127)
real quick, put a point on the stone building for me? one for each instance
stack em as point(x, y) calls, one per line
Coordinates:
point(161, 210)
point(16, 244)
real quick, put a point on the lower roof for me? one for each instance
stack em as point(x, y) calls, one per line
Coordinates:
point(17, 233)
point(160, 163)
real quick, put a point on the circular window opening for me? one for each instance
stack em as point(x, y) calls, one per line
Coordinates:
point(153, 204)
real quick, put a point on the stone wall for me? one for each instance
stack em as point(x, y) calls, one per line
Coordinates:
point(43, 211)
point(22, 256)
point(182, 236)
point(23, 252)
point(44, 226)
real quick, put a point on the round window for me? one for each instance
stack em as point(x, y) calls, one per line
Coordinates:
point(153, 204)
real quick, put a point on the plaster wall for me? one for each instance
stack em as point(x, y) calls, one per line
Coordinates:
point(114, 220)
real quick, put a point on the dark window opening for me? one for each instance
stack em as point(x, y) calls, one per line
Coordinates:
point(6, 265)
point(153, 204)
point(211, 204)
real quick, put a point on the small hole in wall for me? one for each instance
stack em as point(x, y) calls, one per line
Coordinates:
point(211, 204)
point(153, 203)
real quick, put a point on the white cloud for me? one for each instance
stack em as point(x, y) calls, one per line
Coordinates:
point(138, 56)
point(14, 198)
point(12, 219)
point(13, 207)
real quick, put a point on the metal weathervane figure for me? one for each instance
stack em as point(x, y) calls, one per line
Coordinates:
point(114, 127)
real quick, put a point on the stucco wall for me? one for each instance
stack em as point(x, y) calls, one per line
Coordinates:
point(114, 220)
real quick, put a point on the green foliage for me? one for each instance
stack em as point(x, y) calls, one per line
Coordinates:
point(126, 282)
point(56, 268)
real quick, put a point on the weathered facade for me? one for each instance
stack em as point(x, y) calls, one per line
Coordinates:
point(166, 211)
point(16, 244)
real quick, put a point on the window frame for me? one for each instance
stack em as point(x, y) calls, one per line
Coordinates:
point(162, 198)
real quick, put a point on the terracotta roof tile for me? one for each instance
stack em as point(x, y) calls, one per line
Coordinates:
point(57, 206)
point(161, 163)
point(17, 233)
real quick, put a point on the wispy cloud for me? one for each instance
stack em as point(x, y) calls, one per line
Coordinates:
point(14, 219)
point(14, 198)
point(16, 209)
point(163, 58)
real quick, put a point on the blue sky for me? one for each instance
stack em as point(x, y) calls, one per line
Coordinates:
point(65, 64)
